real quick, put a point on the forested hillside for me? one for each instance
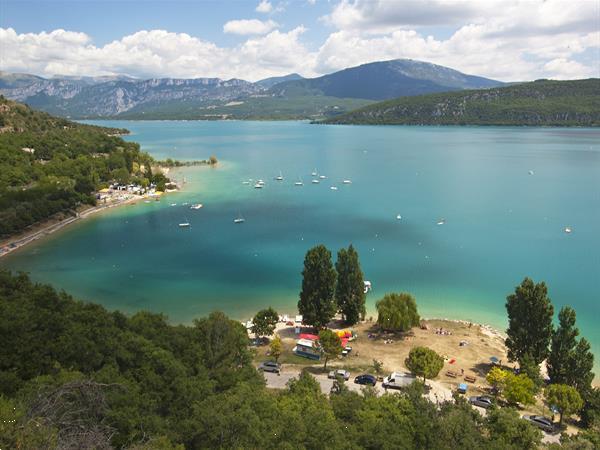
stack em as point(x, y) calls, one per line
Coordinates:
point(50, 165)
point(539, 103)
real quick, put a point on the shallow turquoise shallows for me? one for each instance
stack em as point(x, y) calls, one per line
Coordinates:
point(501, 221)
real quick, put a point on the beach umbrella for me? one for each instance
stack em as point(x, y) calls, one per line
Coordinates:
point(494, 359)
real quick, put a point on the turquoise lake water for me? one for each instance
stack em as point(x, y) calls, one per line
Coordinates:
point(501, 223)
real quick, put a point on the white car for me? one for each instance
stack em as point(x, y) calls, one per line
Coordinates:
point(339, 373)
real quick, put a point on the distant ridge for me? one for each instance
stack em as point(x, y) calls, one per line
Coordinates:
point(286, 97)
point(385, 80)
point(538, 103)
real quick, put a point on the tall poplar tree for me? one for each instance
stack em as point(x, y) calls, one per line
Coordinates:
point(530, 314)
point(350, 288)
point(564, 340)
point(317, 304)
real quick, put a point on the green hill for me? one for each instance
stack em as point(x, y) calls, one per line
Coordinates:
point(538, 103)
point(49, 166)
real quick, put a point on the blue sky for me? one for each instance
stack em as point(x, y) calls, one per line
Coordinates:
point(502, 39)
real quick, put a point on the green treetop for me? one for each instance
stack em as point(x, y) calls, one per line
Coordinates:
point(397, 312)
point(316, 303)
point(529, 321)
point(331, 345)
point(349, 292)
point(264, 322)
point(565, 398)
point(424, 362)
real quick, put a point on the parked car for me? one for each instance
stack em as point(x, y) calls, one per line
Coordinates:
point(339, 373)
point(484, 402)
point(366, 379)
point(270, 366)
point(397, 380)
point(541, 422)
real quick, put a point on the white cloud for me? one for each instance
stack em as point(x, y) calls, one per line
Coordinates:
point(264, 7)
point(154, 53)
point(522, 40)
point(251, 26)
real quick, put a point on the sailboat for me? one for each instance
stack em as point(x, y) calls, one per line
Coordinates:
point(239, 219)
point(279, 177)
point(314, 173)
point(299, 182)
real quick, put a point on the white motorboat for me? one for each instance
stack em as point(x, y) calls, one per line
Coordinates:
point(315, 181)
point(239, 219)
point(568, 230)
point(184, 225)
point(322, 177)
point(245, 182)
point(441, 221)
point(398, 217)
point(196, 206)
point(259, 185)
point(333, 188)
point(347, 182)
point(173, 204)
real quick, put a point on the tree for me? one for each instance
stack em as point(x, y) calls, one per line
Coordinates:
point(590, 414)
point(276, 347)
point(508, 431)
point(331, 345)
point(496, 378)
point(519, 389)
point(397, 312)
point(564, 340)
point(316, 303)
point(350, 289)
point(528, 366)
point(580, 369)
point(529, 321)
point(424, 362)
point(565, 398)
point(264, 322)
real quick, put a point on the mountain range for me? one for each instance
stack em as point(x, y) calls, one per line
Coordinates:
point(290, 96)
point(537, 103)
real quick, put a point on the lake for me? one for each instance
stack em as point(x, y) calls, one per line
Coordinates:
point(501, 221)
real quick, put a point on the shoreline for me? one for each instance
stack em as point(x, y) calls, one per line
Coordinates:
point(43, 230)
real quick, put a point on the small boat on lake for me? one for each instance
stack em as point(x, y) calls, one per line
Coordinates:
point(184, 225)
point(347, 181)
point(315, 181)
point(279, 177)
point(333, 188)
point(322, 177)
point(531, 172)
point(245, 182)
point(441, 221)
point(568, 230)
point(196, 206)
point(314, 173)
point(398, 217)
point(239, 219)
point(173, 204)
point(299, 182)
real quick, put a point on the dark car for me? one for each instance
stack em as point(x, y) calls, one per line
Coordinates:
point(270, 366)
point(544, 423)
point(366, 379)
point(484, 402)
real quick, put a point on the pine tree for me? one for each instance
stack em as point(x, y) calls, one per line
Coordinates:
point(530, 314)
point(349, 292)
point(564, 340)
point(316, 303)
